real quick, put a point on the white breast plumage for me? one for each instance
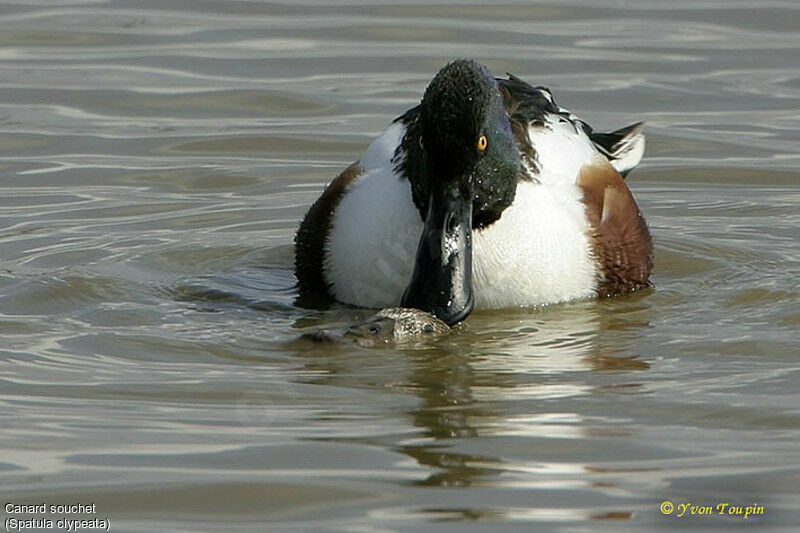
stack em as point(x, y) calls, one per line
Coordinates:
point(537, 253)
point(374, 231)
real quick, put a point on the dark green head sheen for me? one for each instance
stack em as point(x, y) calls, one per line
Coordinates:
point(452, 114)
point(470, 166)
point(462, 104)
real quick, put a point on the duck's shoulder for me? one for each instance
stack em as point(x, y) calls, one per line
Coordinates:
point(526, 104)
point(408, 159)
point(532, 110)
point(619, 236)
point(313, 232)
point(551, 141)
point(384, 150)
point(527, 107)
point(378, 161)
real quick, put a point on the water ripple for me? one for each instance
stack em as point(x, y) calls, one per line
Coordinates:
point(155, 160)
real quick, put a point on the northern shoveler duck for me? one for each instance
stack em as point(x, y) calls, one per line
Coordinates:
point(487, 194)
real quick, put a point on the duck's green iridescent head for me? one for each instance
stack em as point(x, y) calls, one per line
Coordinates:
point(471, 165)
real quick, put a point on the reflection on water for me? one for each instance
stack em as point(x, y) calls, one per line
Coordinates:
point(155, 160)
point(518, 362)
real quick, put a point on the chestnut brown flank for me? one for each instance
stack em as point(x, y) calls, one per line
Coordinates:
point(312, 235)
point(619, 236)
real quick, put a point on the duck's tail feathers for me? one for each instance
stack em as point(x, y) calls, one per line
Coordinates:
point(624, 147)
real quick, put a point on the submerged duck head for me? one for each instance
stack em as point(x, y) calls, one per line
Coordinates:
point(469, 165)
point(397, 325)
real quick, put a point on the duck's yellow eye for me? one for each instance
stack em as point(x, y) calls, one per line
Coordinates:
point(482, 142)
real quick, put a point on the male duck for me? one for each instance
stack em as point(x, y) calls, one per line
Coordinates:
point(486, 194)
